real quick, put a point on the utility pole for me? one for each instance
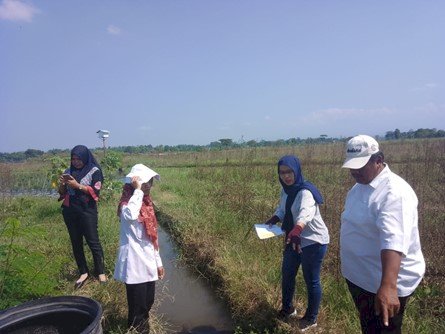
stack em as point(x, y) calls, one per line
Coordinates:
point(103, 134)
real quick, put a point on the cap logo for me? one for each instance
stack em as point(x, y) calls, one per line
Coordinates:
point(356, 149)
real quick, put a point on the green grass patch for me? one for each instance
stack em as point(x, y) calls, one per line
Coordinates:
point(209, 202)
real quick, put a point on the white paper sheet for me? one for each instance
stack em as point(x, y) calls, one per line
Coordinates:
point(264, 231)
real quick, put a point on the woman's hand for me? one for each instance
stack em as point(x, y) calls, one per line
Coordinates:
point(294, 237)
point(272, 221)
point(62, 185)
point(61, 182)
point(136, 182)
point(70, 181)
point(161, 272)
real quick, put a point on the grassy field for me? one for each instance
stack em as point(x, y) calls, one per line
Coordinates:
point(36, 258)
point(209, 202)
point(213, 201)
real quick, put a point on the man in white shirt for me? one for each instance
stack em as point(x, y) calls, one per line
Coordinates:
point(381, 258)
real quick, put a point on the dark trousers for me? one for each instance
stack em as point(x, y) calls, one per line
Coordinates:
point(310, 259)
point(140, 298)
point(83, 224)
point(369, 321)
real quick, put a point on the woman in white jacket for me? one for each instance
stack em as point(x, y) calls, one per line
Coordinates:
point(138, 263)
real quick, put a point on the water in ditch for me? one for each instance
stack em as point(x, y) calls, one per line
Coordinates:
point(188, 303)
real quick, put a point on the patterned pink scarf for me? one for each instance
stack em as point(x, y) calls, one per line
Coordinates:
point(146, 214)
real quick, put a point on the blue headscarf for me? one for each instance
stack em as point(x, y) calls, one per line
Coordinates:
point(88, 160)
point(293, 163)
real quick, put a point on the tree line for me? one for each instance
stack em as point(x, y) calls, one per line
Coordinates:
point(225, 143)
point(411, 134)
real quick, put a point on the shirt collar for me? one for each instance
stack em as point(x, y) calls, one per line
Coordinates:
point(380, 177)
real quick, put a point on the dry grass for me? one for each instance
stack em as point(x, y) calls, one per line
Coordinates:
point(209, 202)
point(222, 198)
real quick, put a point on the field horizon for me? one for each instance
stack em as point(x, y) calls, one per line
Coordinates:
point(208, 201)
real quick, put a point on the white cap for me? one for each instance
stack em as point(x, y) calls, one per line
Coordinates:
point(359, 150)
point(143, 172)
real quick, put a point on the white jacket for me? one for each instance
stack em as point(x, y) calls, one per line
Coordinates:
point(137, 259)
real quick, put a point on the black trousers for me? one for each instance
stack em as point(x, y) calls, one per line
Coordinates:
point(369, 321)
point(140, 298)
point(83, 224)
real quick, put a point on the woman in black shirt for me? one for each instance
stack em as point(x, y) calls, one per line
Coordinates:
point(79, 189)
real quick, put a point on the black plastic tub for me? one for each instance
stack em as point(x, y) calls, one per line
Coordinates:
point(53, 315)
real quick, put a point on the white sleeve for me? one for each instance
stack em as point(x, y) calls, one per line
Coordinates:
point(158, 259)
point(306, 211)
point(131, 210)
point(395, 221)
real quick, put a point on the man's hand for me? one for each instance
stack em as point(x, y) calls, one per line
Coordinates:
point(386, 303)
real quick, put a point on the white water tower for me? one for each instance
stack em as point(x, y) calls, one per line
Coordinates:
point(103, 134)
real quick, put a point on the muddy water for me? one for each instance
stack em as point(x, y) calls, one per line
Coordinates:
point(188, 304)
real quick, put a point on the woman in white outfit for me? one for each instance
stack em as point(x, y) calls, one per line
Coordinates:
point(138, 264)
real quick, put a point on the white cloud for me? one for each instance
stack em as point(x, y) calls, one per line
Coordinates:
point(16, 10)
point(430, 109)
point(113, 30)
point(145, 128)
point(267, 118)
point(431, 85)
point(427, 86)
point(335, 114)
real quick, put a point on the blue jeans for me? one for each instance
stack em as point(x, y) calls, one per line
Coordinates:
point(310, 260)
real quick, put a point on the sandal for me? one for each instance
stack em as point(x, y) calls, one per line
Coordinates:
point(102, 279)
point(79, 283)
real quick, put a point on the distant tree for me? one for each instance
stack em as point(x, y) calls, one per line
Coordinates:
point(159, 148)
point(410, 134)
point(130, 149)
point(56, 151)
point(292, 141)
point(265, 143)
point(226, 142)
point(311, 140)
point(31, 153)
point(419, 133)
point(215, 144)
point(424, 133)
point(389, 135)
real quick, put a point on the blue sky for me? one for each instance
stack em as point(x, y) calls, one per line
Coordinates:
point(195, 71)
